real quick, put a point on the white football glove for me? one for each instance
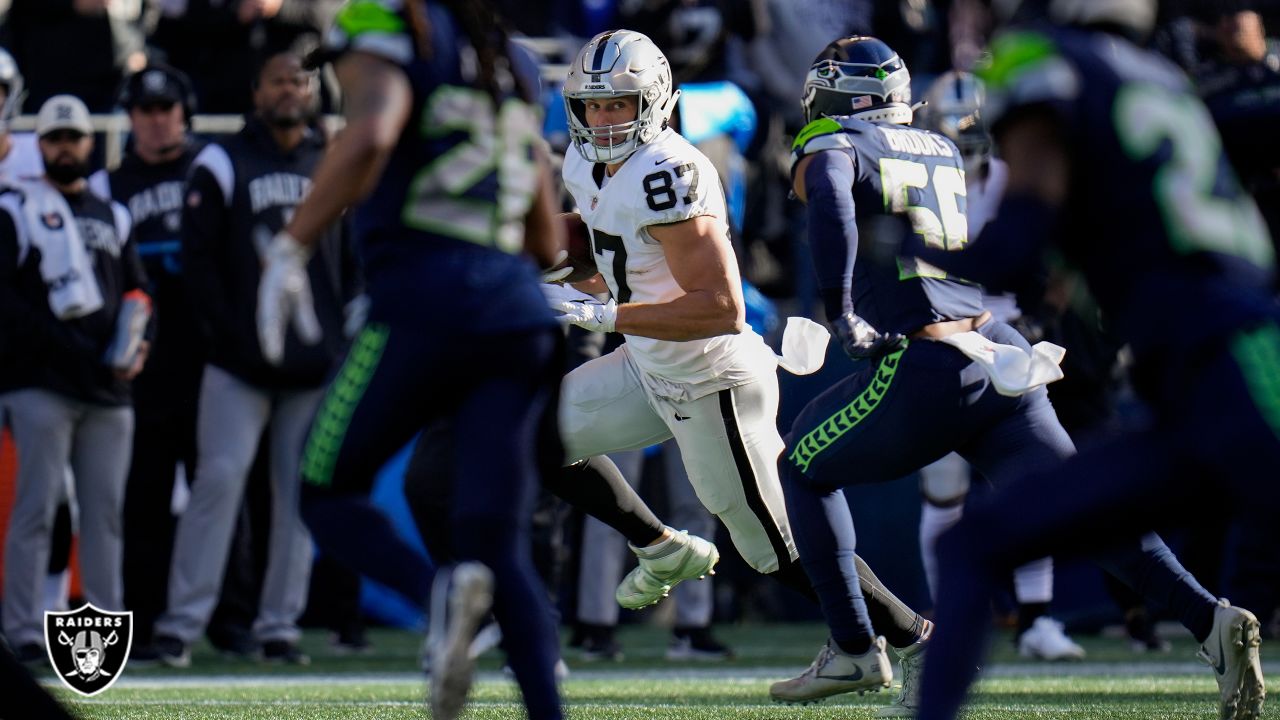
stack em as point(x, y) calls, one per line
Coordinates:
point(284, 296)
point(555, 276)
point(578, 308)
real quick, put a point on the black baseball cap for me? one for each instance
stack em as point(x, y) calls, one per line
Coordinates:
point(155, 85)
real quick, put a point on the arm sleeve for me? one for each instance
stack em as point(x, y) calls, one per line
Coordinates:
point(1008, 253)
point(833, 227)
point(22, 322)
point(204, 220)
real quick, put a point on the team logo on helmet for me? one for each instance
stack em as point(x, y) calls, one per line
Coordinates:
point(154, 82)
point(88, 647)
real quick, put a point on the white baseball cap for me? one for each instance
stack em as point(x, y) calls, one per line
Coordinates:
point(63, 112)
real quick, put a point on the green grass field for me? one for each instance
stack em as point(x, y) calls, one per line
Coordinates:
point(1112, 683)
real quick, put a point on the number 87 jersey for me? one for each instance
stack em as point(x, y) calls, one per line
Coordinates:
point(666, 180)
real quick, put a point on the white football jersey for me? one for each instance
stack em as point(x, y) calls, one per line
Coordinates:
point(664, 181)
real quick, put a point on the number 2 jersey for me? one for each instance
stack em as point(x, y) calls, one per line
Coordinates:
point(442, 233)
point(905, 180)
point(1174, 251)
point(664, 181)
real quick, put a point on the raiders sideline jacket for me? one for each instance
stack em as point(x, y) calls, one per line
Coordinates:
point(240, 193)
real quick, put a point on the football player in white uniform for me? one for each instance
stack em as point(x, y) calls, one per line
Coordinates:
point(691, 368)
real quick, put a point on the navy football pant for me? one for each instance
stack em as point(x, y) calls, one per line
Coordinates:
point(1212, 451)
point(902, 413)
point(396, 379)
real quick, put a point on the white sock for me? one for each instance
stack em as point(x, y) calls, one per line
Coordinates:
point(934, 521)
point(1033, 582)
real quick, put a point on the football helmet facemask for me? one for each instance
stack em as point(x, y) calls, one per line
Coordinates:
point(614, 64)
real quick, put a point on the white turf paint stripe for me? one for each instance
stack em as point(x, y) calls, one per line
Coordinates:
point(728, 674)
point(398, 703)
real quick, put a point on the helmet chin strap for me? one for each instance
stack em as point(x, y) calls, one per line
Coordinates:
point(896, 113)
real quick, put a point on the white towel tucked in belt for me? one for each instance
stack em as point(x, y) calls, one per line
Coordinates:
point(1012, 370)
point(804, 346)
point(64, 262)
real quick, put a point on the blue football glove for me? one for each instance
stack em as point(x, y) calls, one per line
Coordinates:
point(863, 342)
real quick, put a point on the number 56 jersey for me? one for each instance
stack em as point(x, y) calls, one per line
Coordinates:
point(665, 181)
point(906, 180)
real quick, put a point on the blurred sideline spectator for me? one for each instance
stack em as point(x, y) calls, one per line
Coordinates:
point(219, 43)
point(241, 191)
point(80, 47)
point(149, 182)
point(67, 392)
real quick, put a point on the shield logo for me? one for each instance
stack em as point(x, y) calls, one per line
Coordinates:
point(51, 220)
point(88, 647)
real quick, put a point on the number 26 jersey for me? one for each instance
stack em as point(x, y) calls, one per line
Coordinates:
point(666, 180)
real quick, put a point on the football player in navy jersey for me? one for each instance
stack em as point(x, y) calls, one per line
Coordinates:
point(931, 388)
point(1115, 163)
point(441, 145)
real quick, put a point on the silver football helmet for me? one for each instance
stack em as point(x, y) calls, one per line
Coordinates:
point(613, 64)
point(15, 89)
point(954, 108)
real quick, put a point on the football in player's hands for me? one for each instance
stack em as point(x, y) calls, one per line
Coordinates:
point(580, 259)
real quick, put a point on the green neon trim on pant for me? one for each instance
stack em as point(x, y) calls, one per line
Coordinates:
point(834, 427)
point(340, 401)
point(1257, 352)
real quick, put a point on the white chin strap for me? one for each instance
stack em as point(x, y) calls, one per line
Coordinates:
point(896, 113)
point(611, 153)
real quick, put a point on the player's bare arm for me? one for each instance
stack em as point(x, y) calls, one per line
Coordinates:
point(702, 262)
point(544, 237)
point(377, 103)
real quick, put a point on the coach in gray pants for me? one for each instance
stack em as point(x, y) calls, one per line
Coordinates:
point(66, 263)
point(240, 192)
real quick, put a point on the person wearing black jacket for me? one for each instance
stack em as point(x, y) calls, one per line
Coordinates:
point(150, 182)
point(67, 394)
point(240, 193)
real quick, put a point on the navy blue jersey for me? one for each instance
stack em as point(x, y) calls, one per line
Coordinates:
point(1173, 249)
point(905, 181)
point(445, 224)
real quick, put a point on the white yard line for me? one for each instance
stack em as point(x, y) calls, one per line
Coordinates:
point(682, 674)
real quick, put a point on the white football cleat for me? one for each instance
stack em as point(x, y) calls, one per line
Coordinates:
point(460, 600)
point(835, 672)
point(689, 556)
point(1232, 651)
point(1047, 640)
point(911, 663)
